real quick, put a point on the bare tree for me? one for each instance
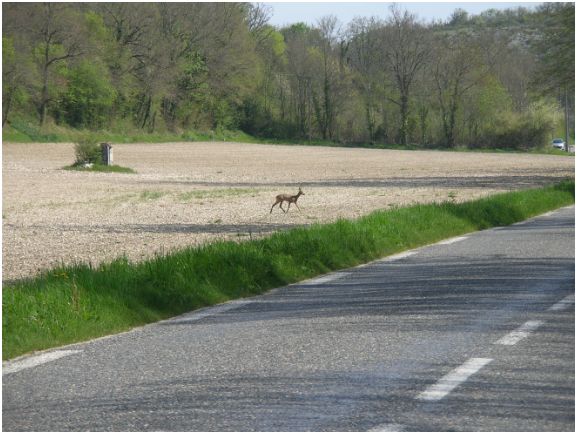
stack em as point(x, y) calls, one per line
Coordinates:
point(363, 54)
point(406, 52)
point(457, 68)
point(257, 18)
point(326, 109)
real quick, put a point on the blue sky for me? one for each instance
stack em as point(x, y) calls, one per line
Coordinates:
point(310, 12)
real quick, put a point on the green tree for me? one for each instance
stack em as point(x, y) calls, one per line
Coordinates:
point(89, 98)
point(54, 36)
point(14, 74)
point(555, 46)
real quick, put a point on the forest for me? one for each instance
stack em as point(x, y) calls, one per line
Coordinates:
point(500, 79)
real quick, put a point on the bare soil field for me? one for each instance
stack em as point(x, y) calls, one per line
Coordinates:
point(191, 193)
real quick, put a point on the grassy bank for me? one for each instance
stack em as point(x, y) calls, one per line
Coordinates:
point(21, 131)
point(75, 303)
point(24, 131)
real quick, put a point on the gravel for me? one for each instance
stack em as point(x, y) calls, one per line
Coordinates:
point(192, 193)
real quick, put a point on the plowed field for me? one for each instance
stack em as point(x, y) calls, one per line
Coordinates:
point(192, 193)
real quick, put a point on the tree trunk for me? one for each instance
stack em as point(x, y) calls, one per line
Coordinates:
point(44, 96)
point(404, 127)
point(7, 106)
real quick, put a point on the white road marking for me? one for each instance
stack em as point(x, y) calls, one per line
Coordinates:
point(452, 240)
point(453, 379)
point(388, 427)
point(391, 258)
point(32, 361)
point(198, 315)
point(520, 334)
point(399, 256)
point(324, 279)
point(563, 304)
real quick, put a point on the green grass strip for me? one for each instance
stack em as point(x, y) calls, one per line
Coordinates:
point(74, 303)
point(101, 168)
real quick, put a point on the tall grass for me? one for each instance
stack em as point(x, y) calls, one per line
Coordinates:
point(74, 303)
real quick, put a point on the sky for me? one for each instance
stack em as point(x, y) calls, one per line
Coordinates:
point(309, 12)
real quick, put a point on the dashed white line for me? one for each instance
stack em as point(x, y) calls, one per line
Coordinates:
point(32, 361)
point(563, 304)
point(453, 379)
point(519, 334)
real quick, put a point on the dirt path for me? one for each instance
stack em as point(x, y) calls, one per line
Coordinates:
point(190, 193)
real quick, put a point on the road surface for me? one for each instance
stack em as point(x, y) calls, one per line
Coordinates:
point(476, 333)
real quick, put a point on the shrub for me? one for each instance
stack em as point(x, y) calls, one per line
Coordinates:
point(528, 130)
point(87, 150)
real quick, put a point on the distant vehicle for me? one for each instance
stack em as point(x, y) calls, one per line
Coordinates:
point(558, 143)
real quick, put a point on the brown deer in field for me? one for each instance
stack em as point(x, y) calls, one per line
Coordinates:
point(287, 198)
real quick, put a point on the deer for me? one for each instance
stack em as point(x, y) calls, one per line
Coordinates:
point(287, 198)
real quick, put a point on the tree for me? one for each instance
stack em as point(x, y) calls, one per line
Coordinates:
point(298, 77)
point(54, 35)
point(555, 47)
point(459, 17)
point(405, 54)
point(363, 55)
point(456, 69)
point(89, 97)
point(331, 73)
point(13, 72)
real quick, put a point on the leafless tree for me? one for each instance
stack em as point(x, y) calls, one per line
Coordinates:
point(457, 68)
point(363, 54)
point(406, 52)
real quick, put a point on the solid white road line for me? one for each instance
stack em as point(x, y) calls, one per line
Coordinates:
point(563, 304)
point(32, 361)
point(203, 313)
point(391, 258)
point(453, 379)
point(324, 279)
point(519, 334)
point(399, 256)
point(452, 240)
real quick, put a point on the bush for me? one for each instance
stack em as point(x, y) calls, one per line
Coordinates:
point(87, 150)
point(528, 130)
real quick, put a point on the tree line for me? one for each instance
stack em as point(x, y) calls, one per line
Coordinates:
point(498, 79)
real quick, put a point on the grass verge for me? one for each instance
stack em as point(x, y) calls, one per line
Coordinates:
point(100, 168)
point(75, 303)
point(22, 130)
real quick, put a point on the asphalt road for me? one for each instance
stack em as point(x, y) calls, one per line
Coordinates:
point(475, 334)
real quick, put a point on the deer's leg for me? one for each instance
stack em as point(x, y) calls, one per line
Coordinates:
point(297, 206)
point(289, 207)
point(273, 206)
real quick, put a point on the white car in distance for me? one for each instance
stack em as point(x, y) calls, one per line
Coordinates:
point(558, 143)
